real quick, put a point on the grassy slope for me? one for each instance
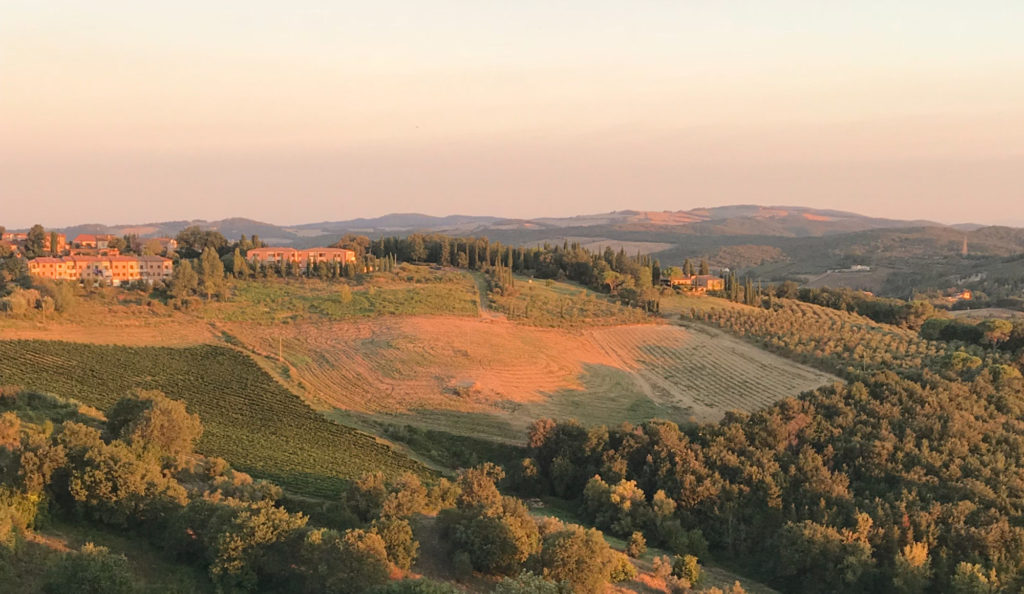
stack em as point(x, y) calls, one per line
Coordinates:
point(250, 419)
point(557, 304)
point(412, 290)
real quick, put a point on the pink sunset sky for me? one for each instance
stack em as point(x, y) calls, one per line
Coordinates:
point(117, 111)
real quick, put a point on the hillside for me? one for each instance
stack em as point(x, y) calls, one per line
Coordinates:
point(250, 419)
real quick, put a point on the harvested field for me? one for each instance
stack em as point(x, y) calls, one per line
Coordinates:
point(491, 378)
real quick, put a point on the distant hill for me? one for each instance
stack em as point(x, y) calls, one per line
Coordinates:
point(768, 242)
point(783, 221)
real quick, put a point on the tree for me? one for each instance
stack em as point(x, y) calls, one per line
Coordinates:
point(240, 551)
point(578, 557)
point(211, 273)
point(110, 482)
point(995, 332)
point(686, 567)
point(193, 241)
point(354, 562)
point(912, 571)
point(184, 281)
point(398, 540)
point(35, 243)
point(498, 539)
point(360, 244)
point(155, 425)
point(636, 545)
point(239, 266)
point(91, 570)
point(704, 269)
point(970, 578)
point(417, 249)
point(117, 243)
point(528, 583)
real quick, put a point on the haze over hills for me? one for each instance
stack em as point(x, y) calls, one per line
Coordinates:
point(785, 221)
point(772, 243)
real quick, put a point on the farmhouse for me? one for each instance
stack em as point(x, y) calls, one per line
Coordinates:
point(310, 256)
point(699, 283)
point(708, 282)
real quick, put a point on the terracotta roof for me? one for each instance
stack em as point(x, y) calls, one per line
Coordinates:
point(271, 250)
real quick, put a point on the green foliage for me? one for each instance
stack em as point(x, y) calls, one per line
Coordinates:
point(686, 567)
point(248, 417)
point(906, 314)
point(279, 300)
point(971, 578)
point(497, 533)
point(109, 482)
point(238, 552)
point(193, 241)
point(622, 569)
point(155, 424)
point(580, 558)
point(560, 305)
point(420, 586)
point(529, 583)
point(211, 273)
point(184, 281)
point(91, 570)
point(636, 545)
point(399, 541)
point(353, 563)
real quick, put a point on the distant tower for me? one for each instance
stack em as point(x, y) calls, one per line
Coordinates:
point(963, 250)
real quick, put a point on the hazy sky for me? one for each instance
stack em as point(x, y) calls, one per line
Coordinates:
point(300, 111)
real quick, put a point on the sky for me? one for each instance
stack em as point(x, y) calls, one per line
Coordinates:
point(301, 111)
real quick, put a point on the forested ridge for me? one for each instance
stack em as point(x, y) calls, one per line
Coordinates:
point(908, 478)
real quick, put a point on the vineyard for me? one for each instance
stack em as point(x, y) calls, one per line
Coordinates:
point(832, 339)
point(490, 378)
point(250, 419)
point(705, 372)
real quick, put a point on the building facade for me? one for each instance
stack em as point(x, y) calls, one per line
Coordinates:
point(280, 255)
point(112, 270)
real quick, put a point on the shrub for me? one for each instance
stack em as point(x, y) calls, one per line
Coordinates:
point(578, 557)
point(529, 583)
point(636, 545)
point(398, 539)
point(91, 570)
point(686, 567)
point(420, 586)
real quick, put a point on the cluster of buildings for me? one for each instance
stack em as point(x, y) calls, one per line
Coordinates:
point(282, 255)
point(90, 258)
point(698, 283)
